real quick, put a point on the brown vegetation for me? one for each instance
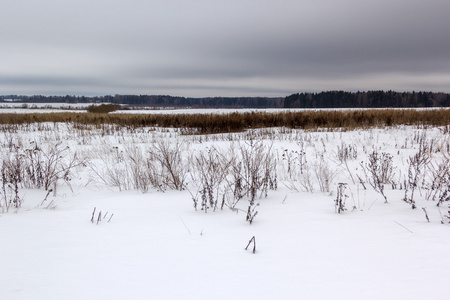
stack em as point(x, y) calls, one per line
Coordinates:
point(103, 108)
point(235, 122)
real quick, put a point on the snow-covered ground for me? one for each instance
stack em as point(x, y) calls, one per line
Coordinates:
point(157, 246)
point(52, 105)
point(30, 108)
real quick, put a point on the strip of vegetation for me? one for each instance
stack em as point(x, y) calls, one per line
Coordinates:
point(103, 108)
point(236, 122)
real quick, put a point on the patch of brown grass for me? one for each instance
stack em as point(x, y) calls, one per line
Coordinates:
point(235, 122)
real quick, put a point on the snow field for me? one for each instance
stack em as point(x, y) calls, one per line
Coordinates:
point(156, 245)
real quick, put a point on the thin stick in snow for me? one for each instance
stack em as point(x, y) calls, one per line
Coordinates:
point(403, 226)
point(254, 244)
point(93, 213)
point(426, 214)
point(110, 218)
point(45, 199)
point(185, 225)
point(372, 204)
point(99, 217)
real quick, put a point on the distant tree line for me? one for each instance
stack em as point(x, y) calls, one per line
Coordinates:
point(211, 102)
point(330, 99)
point(340, 99)
point(157, 101)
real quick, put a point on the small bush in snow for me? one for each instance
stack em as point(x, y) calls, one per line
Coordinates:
point(379, 171)
point(11, 176)
point(416, 168)
point(35, 168)
point(211, 168)
point(172, 166)
point(258, 168)
point(346, 152)
point(324, 174)
point(341, 196)
point(439, 189)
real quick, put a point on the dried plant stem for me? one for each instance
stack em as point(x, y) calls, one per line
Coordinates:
point(253, 239)
point(93, 213)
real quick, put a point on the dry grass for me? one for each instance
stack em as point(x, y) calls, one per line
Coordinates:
point(235, 122)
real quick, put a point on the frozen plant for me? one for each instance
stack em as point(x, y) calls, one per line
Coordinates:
point(139, 169)
point(295, 158)
point(324, 174)
point(439, 189)
point(416, 169)
point(211, 168)
point(255, 172)
point(172, 166)
point(346, 152)
point(11, 176)
point(46, 167)
point(252, 240)
point(445, 218)
point(426, 214)
point(379, 171)
point(63, 165)
point(341, 196)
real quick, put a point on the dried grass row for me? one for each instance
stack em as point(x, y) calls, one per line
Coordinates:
point(236, 122)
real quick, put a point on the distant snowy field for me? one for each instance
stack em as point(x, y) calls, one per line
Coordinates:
point(157, 246)
point(30, 108)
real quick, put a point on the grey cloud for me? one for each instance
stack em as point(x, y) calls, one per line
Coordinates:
point(49, 80)
point(145, 46)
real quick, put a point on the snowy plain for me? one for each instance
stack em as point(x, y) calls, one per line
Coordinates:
point(157, 246)
point(30, 108)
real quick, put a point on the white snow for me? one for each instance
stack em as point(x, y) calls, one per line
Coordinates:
point(30, 108)
point(156, 246)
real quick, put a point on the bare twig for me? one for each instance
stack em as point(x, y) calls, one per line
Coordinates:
point(45, 199)
point(93, 213)
point(254, 244)
point(403, 226)
point(185, 225)
point(110, 218)
point(426, 214)
point(99, 217)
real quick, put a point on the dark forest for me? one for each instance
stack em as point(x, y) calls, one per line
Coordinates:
point(329, 99)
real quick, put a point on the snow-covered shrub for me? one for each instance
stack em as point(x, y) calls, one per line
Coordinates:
point(439, 189)
point(416, 171)
point(255, 172)
point(57, 162)
point(170, 163)
point(35, 167)
point(324, 174)
point(295, 165)
point(11, 176)
point(211, 168)
point(346, 152)
point(246, 169)
point(341, 196)
point(137, 167)
point(379, 171)
point(294, 159)
point(112, 172)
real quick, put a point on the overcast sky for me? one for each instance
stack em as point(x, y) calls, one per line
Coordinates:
point(202, 48)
